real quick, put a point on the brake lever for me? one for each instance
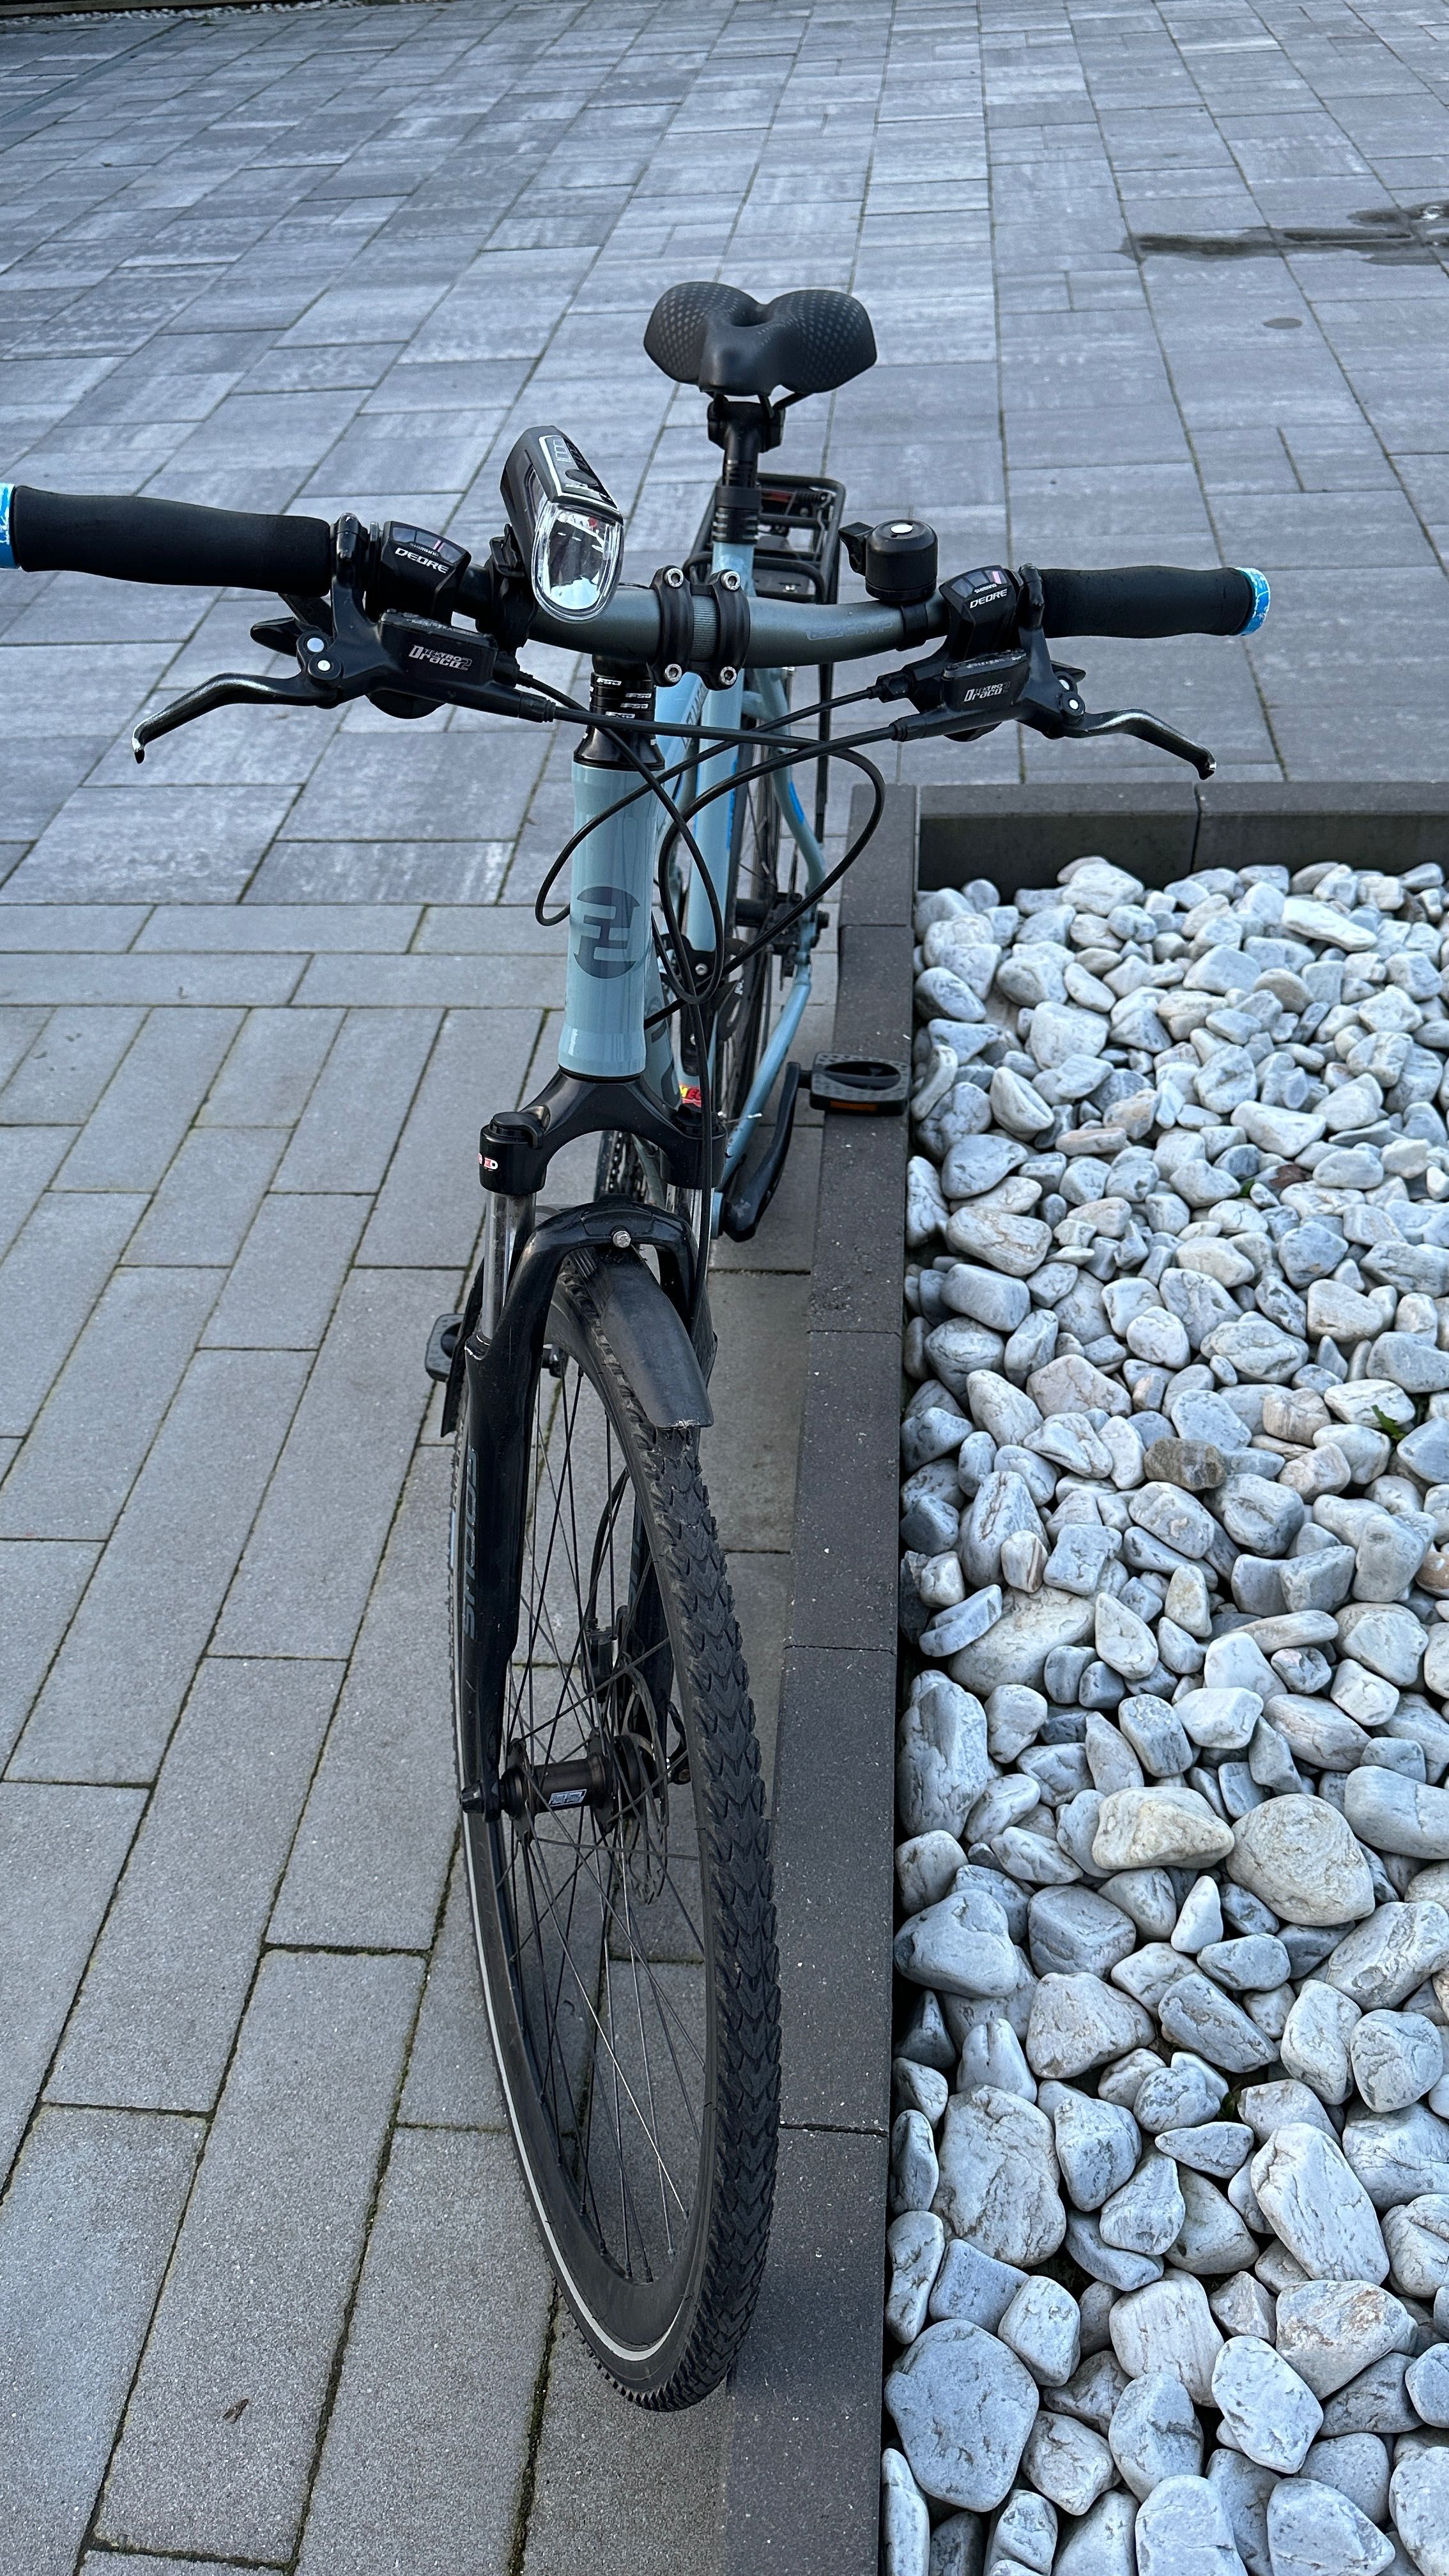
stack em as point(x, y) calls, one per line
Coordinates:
point(228, 689)
point(406, 664)
point(964, 693)
point(1148, 728)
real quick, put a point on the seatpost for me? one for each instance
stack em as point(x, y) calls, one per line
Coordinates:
point(742, 429)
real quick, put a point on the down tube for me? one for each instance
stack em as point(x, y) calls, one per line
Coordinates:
point(607, 981)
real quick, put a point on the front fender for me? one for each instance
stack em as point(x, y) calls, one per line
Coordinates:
point(649, 1341)
point(648, 1337)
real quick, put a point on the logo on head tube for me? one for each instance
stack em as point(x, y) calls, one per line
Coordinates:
point(603, 922)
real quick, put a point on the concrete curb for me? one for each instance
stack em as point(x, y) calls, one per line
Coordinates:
point(1162, 828)
point(802, 2489)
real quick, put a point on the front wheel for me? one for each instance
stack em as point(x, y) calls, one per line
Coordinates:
point(621, 1889)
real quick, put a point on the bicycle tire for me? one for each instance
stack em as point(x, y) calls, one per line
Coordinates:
point(665, 2315)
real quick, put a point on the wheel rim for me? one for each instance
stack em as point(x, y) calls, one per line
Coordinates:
point(587, 1891)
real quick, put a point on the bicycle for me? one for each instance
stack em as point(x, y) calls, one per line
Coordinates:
point(609, 1784)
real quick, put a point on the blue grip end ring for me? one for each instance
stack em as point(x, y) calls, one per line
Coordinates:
point(7, 551)
point(1262, 598)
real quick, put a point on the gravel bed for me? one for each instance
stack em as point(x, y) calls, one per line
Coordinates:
point(1169, 2239)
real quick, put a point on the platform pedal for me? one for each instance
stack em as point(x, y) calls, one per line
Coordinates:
point(442, 1343)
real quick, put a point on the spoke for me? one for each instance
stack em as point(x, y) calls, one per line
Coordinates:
point(550, 1912)
point(621, 2077)
point(648, 2069)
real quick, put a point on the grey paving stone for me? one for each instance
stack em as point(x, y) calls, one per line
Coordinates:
point(49, 1281)
point(85, 2234)
point(286, 1280)
point(411, 787)
point(426, 2447)
point(40, 1584)
point(88, 1443)
point(209, 1197)
point(20, 1025)
point(158, 977)
point(304, 1581)
point(71, 925)
point(74, 1054)
point(603, 2467)
point(496, 929)
point(383, 872)
point(268, 1076)
point(46, 684)
point(28, 1158)
point(40, 774)
point(62, 1849)
point(256, 2295)
point(430, 1206)
point(129, 845)
point(451, 2079)
point(155, 2019)
point(526, 981)
point(280, 925)
point(353, 1118)
point(147, 1108)
point(371, 1854)
point(130, 2562)
point(153, 1599)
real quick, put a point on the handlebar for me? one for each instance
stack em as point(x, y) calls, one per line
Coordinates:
point(129, 539)
point(126, 539)
point(1150, 600)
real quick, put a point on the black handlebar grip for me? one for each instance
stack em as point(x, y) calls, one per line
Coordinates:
point(127, 539)
point(1146, 600)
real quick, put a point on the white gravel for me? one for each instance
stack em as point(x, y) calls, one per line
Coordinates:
point(1169, 2229)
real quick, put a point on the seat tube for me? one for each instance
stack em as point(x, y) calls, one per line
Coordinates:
point(611, 890)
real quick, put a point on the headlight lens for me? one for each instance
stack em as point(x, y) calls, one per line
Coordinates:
point(575, 559)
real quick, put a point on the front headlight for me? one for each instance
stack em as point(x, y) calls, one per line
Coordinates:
point(567, 524)
point(575, 559)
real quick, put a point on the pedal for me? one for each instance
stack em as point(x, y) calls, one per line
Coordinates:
point(753, 1187)
point(442, 1343)
point(870, 1086)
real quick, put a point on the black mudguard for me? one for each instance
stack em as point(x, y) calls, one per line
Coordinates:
point(651, 1342)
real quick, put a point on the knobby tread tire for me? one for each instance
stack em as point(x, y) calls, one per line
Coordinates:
point(735, 1879)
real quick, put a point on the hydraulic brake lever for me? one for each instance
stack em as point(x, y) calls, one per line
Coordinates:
point(994, 668)
point(405, 663)
point(228, 689)
point(1148, 728)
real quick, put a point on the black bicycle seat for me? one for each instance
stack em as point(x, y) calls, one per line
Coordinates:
point(720, 339)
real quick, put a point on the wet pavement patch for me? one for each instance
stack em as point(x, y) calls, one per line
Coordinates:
point(1390, 236)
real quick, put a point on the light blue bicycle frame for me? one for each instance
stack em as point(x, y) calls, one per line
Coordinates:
point(612, 983)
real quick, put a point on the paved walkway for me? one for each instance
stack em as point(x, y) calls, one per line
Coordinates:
point(267, 2294)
